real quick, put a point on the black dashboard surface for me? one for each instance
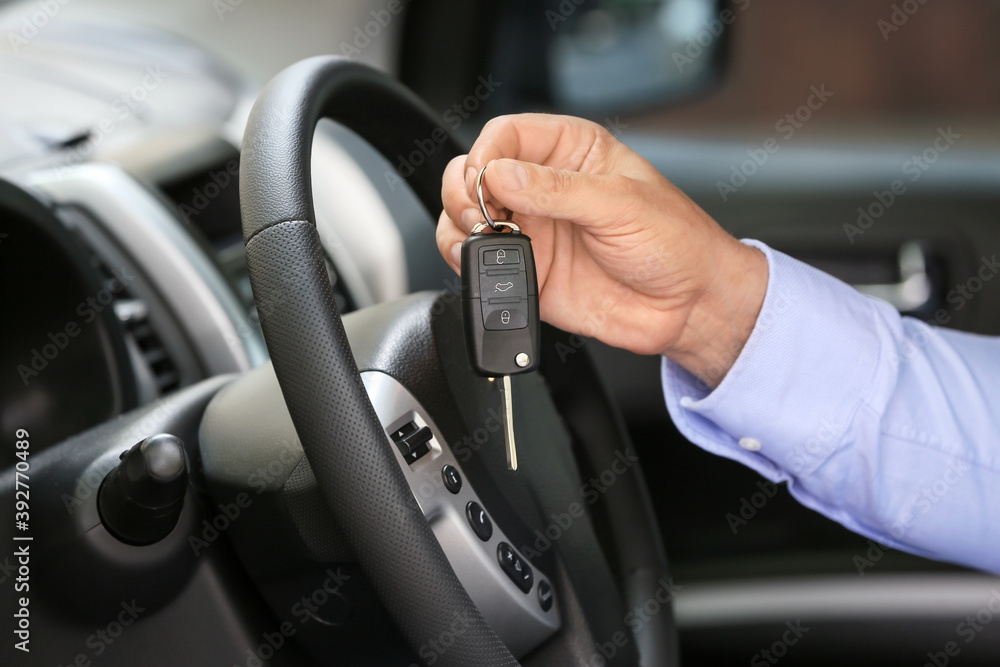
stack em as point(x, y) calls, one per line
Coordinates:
point(63, 357)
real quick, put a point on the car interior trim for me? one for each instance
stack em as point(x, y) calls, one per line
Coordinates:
point(192, 286)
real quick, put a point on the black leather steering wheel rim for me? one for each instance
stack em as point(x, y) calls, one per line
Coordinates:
point(312, 358)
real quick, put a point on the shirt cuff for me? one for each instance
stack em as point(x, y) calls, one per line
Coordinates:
point(784, 406)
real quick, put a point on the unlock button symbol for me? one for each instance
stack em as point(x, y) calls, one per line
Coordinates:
point(501, 255)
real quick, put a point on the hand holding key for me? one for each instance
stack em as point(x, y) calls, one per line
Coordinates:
point(621, 255)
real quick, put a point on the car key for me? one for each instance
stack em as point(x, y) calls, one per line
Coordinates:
point(500, 308)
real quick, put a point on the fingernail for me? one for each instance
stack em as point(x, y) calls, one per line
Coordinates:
point(513, 176)
point(456, 254)
point(470, 217)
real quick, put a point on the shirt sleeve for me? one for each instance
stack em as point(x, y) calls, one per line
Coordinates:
point(884, 424)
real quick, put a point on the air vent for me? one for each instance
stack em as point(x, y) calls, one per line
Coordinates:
point(135, 316)
point(145, 346)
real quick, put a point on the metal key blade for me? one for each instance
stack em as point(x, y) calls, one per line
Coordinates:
point(507, 414)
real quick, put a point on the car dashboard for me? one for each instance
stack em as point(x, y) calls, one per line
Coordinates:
point(146, 289)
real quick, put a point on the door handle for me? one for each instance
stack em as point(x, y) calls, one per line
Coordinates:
point(913, 290)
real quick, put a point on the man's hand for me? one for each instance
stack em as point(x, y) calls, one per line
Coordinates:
point(621, 254)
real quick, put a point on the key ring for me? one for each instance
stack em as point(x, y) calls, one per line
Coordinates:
point(495, 225)
point(513, 227)
point(482, 205)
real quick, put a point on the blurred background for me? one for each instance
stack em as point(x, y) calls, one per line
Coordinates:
point(693, 85)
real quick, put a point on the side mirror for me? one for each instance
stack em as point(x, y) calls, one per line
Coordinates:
point(475, 60)
point(617, 56)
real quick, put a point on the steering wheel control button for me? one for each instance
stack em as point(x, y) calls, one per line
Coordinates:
point(413, 441)
point(452, 479)
point(502, 257)
point(515, 567)
point(480, 522)
point(545, 596)
point(750, 444)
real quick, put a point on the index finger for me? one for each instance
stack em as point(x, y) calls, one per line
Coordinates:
point(563, 142)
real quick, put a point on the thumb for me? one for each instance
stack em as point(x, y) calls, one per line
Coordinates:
point(546, 192)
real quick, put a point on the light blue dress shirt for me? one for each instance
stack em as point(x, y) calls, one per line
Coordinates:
point(884, 424)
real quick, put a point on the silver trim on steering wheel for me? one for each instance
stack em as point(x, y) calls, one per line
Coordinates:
point(516, 616)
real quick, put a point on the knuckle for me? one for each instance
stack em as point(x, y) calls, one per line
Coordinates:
point(496, 126)
point(602, 147)
point(559, 181)
point(495, 122)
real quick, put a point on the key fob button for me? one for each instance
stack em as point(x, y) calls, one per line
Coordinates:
point(504, 316)
point(501, 257)
point(497, 285)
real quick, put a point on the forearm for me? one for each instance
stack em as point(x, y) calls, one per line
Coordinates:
point(864, 413)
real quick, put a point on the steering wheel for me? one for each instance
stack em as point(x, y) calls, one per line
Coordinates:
point(578, 500)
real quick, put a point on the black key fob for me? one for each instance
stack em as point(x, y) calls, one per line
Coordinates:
point(500, 303)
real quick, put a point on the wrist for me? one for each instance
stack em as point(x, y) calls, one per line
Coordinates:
point(723, 315)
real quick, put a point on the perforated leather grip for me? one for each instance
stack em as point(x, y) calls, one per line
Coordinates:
point(340, 432)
